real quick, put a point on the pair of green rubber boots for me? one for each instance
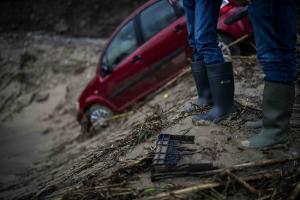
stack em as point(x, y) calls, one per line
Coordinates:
point(278, 100)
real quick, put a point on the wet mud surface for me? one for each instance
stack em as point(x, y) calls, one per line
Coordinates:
point(45, 156)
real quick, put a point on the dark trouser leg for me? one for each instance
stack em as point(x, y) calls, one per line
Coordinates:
point(189, 8)
point(274, 23)
point(202, 19)
point(197, 65)
point(206, 38)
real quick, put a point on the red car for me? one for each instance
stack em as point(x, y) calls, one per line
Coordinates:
point(147, 50)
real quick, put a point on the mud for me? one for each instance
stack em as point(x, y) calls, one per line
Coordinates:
point(44, 154)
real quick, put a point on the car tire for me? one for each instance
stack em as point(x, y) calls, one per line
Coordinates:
point(224, 41)
point(97, 114)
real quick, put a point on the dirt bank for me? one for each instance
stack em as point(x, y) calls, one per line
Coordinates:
point(39, 74)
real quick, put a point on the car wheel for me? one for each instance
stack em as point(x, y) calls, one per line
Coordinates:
point(97, 114)
point(228, 51)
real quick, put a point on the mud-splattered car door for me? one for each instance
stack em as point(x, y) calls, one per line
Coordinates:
point(128, 78)
point(165, 38)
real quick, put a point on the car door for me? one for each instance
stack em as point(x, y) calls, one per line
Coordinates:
point(165, 36)
point(125, 76)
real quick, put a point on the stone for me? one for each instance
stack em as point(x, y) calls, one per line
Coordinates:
point(40, 97)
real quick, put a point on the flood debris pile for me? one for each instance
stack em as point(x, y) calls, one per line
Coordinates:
point(264, 179)
point(274, 173)
point(270, 177)
point(116, 162)
point(275, 182)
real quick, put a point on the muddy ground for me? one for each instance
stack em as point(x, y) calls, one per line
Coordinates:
point(45, 156)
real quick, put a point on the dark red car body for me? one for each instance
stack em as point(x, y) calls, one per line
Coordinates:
point(155, 62)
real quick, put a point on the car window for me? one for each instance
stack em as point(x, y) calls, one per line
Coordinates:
point(156, 17)
point(122, 45)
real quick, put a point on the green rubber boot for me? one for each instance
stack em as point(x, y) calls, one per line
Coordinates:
point(278, 101)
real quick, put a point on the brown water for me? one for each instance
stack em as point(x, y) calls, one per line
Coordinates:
point(20, 146)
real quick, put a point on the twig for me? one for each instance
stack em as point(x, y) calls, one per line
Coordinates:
point(217, 194)
point(110, 189)
point(241, 104)
point(185, 131)
point(252, 45)
point(295, 193)
point(243, 183)
point(259, 163)
point(238, 40)
point(243, 57)
point(264, 197)
point(187, 190)
point(228, 181)
point(109, 186)
point(115, 117)
point(273, 193)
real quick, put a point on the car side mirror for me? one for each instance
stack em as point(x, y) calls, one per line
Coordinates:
point(105, 68)
point(105, 71)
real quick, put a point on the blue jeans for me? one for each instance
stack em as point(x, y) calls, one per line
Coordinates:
point(274, 23)
point(202, 18)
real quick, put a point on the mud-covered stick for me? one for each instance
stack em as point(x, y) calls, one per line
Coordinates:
point(242, 182)
point(238, 167)
point(186, 190)
point(238, 40)
point(259, 163)
point(295, 193)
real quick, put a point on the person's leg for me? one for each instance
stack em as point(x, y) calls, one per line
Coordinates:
point(197, 65)
point(189, 8)
point(206, 39)
point(220, 74)
point(274, 23)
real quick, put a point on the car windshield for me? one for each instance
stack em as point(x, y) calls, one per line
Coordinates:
point(122, 45)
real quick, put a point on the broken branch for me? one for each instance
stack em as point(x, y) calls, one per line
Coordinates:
point(259, 163)
point(242, 182)
point(295, 193)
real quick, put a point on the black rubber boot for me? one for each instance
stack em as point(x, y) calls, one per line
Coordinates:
point(278, 102)
point(202, 85)
point(221, 82)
